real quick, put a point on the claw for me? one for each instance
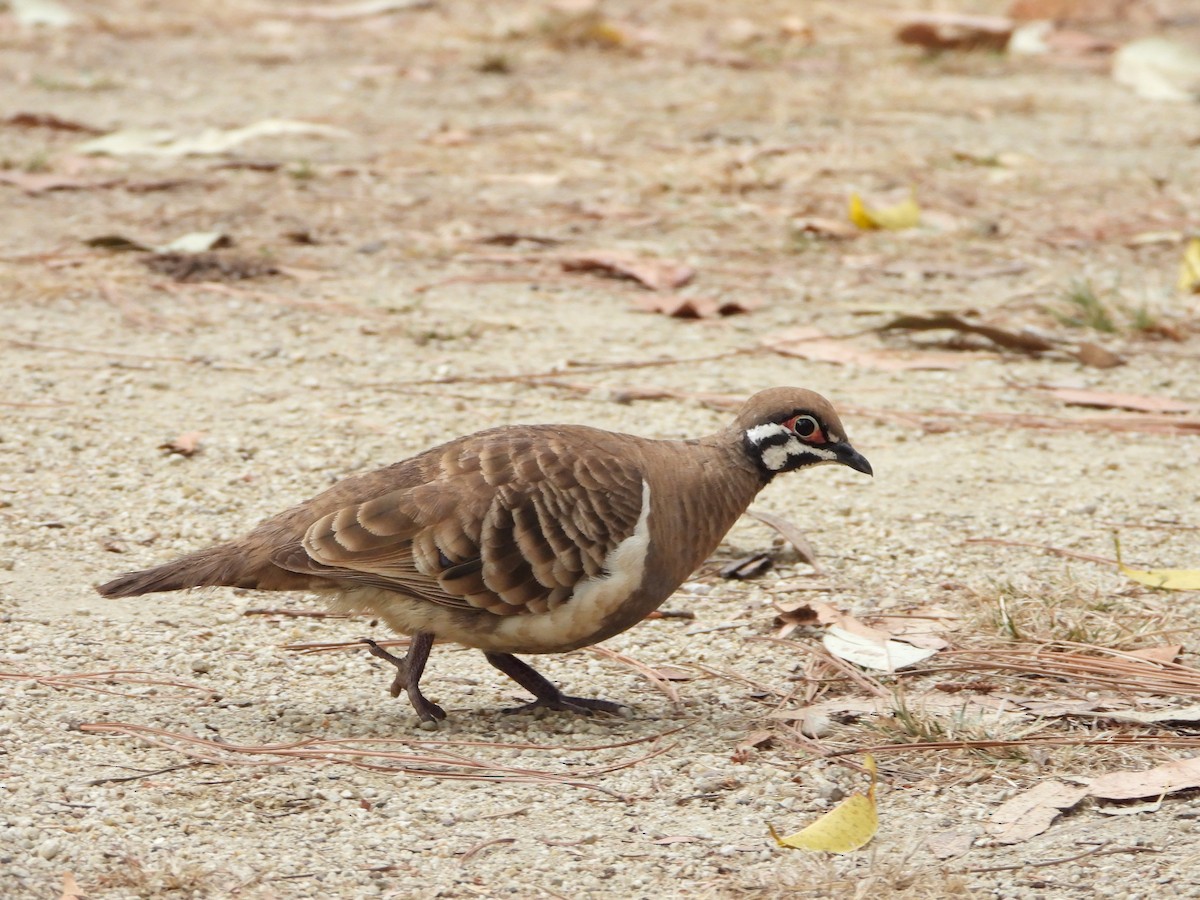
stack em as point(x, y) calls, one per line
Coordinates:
point(408, 674)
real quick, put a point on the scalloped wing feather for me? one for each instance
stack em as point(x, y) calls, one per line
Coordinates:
point(508, 523)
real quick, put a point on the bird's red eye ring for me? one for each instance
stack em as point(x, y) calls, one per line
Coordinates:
point(806, 428)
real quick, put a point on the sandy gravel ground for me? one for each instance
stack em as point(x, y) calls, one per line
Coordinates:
point(401, 300)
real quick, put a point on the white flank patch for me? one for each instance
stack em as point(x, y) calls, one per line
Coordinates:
point(593, 601)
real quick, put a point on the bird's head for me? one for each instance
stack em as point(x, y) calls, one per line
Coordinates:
point(791, 428)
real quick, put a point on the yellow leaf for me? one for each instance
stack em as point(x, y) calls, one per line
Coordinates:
point(1166, 579)
point(1189, 269)
point(847, 827)
point(893, 218)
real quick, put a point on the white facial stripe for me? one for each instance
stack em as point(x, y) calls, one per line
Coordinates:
point(759, 433)
point(775, 456)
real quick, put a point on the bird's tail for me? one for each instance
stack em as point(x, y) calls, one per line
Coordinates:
point(216, 566)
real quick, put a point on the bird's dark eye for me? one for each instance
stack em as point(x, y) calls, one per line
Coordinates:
point(804, 426)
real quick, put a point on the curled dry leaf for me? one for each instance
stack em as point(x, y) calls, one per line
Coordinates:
point(1024, 341)
point(655, 274)
point(906, 214)
point(747, 567)
point(790, 532)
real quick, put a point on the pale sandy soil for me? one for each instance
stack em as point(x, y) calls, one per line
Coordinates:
point(699, 140)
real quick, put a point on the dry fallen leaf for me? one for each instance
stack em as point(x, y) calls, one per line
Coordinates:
point(187, 444)
point(906, 214)
point(1159, 69)
point(954, 31)
point(1031, 812)
point(361, 10)
point(1112, 400)
point(827, 229)
point(34, 183)
point(209, 142)
point(210, 267)
point(1086, 10)
point(1011, 340)
point(49, 120)
point(1181, 775)
point(953, 843)
point(1183, 715)
point(1189, 268)
point(70, 888)
point(870, 648)
point(44, 13)
point(845, 828)
point(692, 307)
point(656, 274)
point(1096, 356)
point(1166, 653)
point(1165, 579)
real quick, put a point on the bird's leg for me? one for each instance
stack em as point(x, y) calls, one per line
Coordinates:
point(546, 693)
point(408, 674)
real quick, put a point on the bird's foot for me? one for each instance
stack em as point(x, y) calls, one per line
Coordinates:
point(548, 696)
point(583, 705)
point(408, 676)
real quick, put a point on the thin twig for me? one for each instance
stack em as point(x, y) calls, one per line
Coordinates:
point(475, 850)
point(117, 354)
point(1101, 849)
point(1046, 548)
point(519, 377)
point(653, 677)
point(116, 779)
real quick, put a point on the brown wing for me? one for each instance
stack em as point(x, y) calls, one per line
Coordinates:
point(507, 521)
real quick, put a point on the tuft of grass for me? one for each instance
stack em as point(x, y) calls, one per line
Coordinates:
point(302, 170)
point(1073, 611)
point(1086, 309)
point(1083, 306)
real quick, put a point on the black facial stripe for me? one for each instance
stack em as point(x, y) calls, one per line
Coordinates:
point(773, 440)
